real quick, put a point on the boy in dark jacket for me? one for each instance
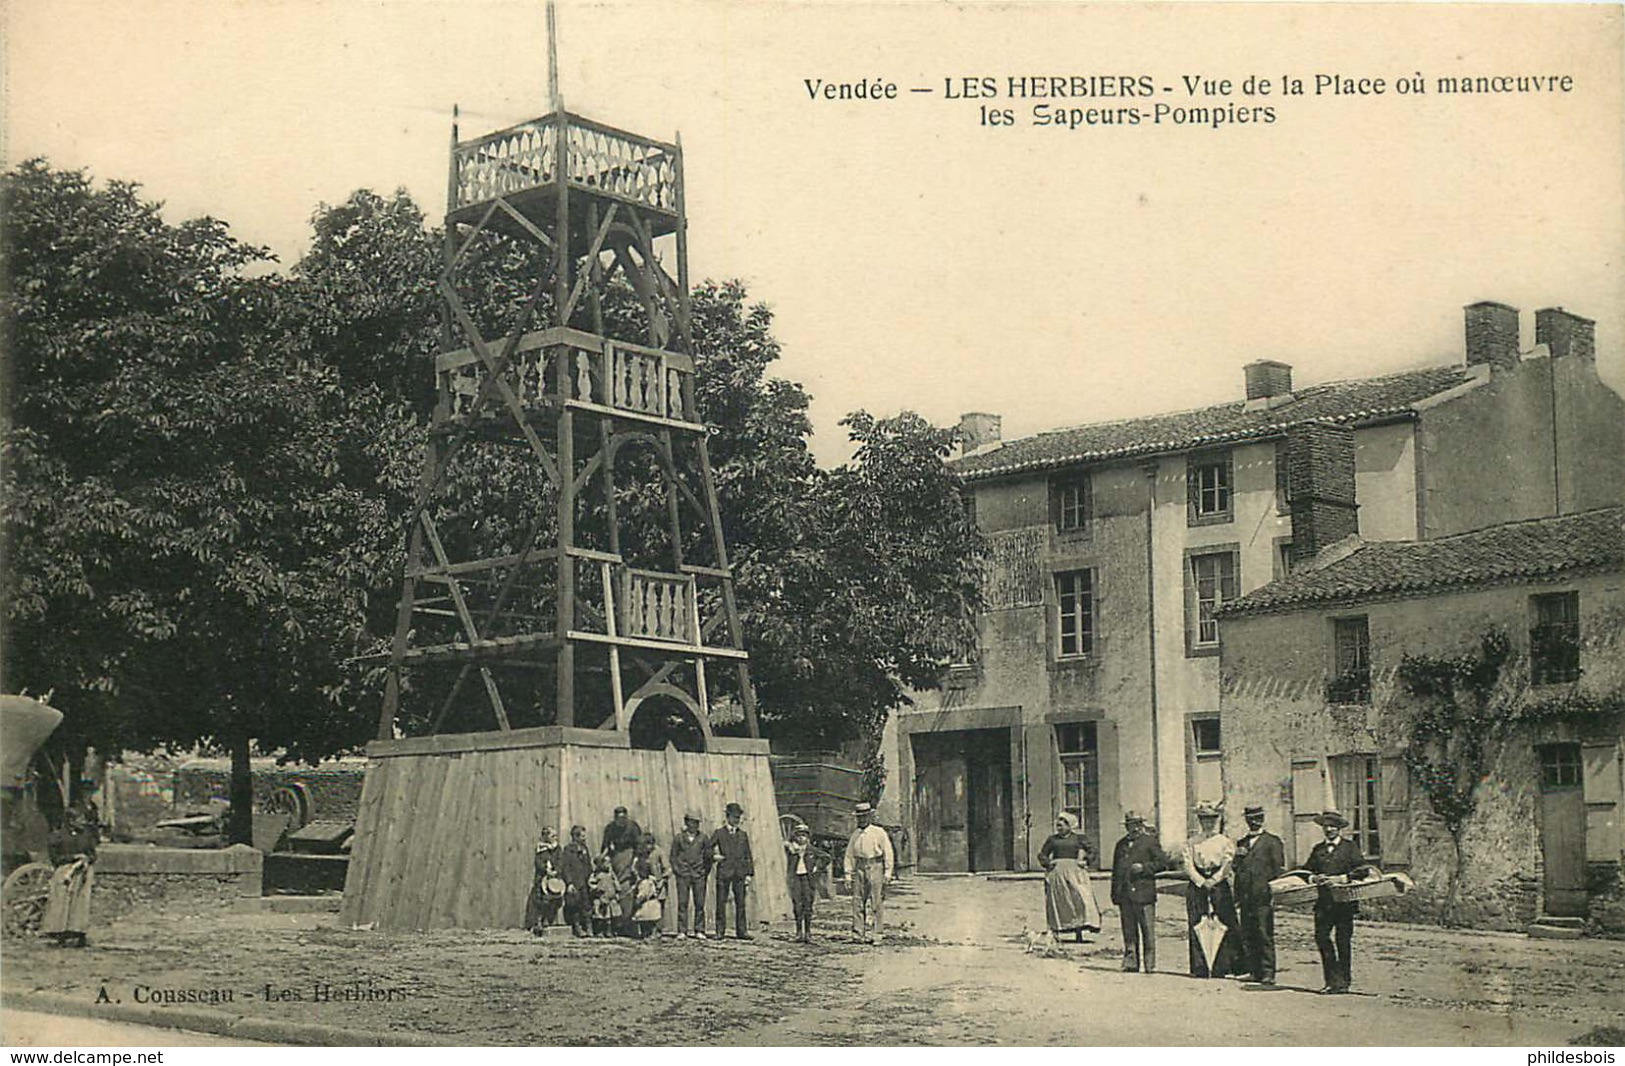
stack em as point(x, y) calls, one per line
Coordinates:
point(804, 864)
point(575, 867)
point(689, 865)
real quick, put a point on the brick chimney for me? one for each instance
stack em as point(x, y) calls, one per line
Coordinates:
point(1492, 335)
point(1565, 333)
point(1266, 378)
point(1320, 479)
point(976, 430)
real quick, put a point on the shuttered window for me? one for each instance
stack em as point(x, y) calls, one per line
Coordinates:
point(1211, 579)
point(1075, 599)
point(1554, 639)
point(1210, 488)
point(1357, 783)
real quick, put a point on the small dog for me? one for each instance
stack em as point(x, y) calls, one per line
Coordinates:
point(1041, 944)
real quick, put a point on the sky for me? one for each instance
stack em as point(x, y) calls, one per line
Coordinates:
point(916, 255)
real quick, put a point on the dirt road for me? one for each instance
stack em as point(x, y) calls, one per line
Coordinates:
point(954, 970)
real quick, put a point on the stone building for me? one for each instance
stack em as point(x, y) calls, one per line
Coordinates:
point(1095, 683)
point(1316, 715)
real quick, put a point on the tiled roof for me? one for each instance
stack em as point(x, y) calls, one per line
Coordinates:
point(1368, 400)
point(1534, 549)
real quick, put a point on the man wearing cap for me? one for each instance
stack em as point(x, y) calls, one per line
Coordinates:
point(729, 852)
point(1260, 859)
point(804, 864)
point(1331, 861)
point(689, 864)
point(1135, 862)
point(870, 866)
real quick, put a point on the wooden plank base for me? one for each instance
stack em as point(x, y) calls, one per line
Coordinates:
point(446, 831)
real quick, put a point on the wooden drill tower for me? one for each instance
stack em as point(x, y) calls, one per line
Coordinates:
point(552, 663)
point(573, 596)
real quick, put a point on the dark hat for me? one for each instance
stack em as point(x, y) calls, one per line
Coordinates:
point(620, 810)
point(691, 816)
point(1133, 818)
point(1331, 819)
point(801, 830)
point(733, 808)
point(1254, 809)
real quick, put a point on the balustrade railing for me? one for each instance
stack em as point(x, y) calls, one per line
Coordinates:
point(656, 606)
point(644, 380)
point(597, 157)
point(606, 373)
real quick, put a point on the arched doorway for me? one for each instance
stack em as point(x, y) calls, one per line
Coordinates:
point(662, 719)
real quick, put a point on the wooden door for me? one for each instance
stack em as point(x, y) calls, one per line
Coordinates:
point(941, 788)
point(989, 816)
point(1563, 830)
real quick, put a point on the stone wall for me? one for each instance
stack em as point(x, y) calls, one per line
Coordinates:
point(1279, 732)
point(131, 877)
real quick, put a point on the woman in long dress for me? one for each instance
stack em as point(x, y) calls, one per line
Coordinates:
point(1208, 859)
point(67, 907)
point(1069, 898)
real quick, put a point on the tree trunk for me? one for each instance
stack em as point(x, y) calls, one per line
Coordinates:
point(1455, 881)
point(240, 827)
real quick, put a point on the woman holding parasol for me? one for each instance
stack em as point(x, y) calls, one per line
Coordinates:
point(1210, 904)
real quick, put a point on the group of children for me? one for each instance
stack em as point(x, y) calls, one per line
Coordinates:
point(620, 890)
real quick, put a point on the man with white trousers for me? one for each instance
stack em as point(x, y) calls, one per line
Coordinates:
point(870, 866)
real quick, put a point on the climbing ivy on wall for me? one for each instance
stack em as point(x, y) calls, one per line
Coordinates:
point(1466, 705)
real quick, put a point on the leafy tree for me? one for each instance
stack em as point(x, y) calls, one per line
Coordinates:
point(184, 496)
point(207, 475)
point(1462, 711)
point(878, 599)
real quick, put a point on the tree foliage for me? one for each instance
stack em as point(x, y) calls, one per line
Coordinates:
point(185, 494)
point(208, 468)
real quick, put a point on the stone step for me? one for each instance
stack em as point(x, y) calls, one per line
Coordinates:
point(1561, 921)
point(1557, 928)
point(326, 903)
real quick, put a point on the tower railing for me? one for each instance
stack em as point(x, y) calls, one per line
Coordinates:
point(598, 158)
point(604, 373)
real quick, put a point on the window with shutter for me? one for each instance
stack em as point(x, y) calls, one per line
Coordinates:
point(1212, 578)
point(1210, 489)
point(1554, 639)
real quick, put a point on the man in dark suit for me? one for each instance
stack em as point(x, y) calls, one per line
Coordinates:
point(1260, 859)
point(1331, 861)
point(731, 857)
point(1135, 862)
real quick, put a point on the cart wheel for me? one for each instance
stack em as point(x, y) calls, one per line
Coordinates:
point(788, 824)
point(293, 801)
point(22, 898)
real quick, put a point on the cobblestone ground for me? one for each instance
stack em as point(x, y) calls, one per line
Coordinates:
point(955, 969)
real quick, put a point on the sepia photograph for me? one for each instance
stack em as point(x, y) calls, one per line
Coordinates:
point(861, 525)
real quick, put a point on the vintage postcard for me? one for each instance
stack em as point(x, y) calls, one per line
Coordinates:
point(824, 524)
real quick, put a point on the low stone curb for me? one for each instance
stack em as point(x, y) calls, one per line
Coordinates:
point(221, 1023)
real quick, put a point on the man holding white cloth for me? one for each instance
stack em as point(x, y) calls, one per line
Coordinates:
point(870, 865)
